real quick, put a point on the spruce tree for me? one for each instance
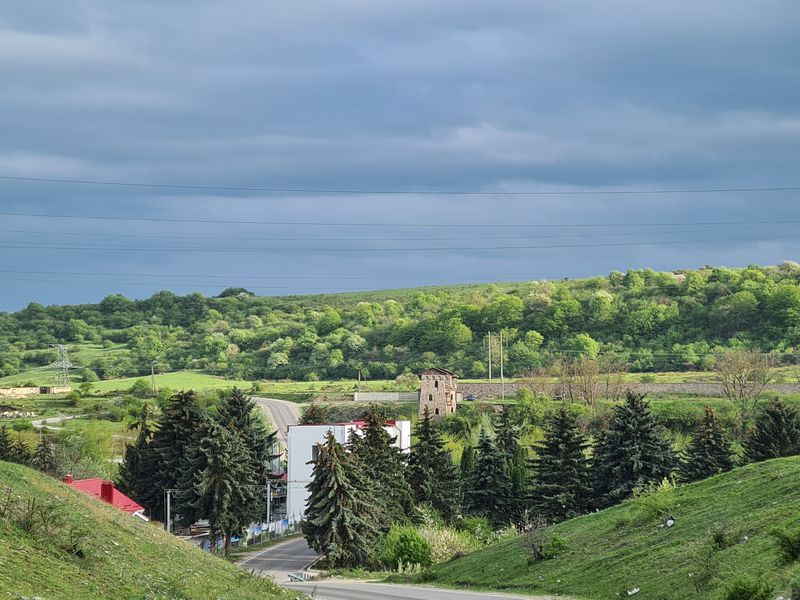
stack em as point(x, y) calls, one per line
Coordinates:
point(560, 485)
point(339, 519)
point(44, 458)
point(5, 443)
point(178, 428)
point(382, 463)
point(315, 414)
point(20, 453)
point(489, 488)
point(467, 463)
point(709, 452)
point(237, 414)
point(632, 452)
point(507, 441)
point(218, 483)
point(136, 471)
point(776, 434)
point(433, 477)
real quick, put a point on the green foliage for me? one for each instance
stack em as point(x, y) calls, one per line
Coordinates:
point(433, 477)
point(654, 501)
point(748, 587)
point(788, 542)
point(709, 451)
point(776, 434)
point(544, 546)
point(341, 520)
point(632, 452)
point(489, 490)
point(560, 487)
point(404, 545)
point(44, 457)
point(641, 318)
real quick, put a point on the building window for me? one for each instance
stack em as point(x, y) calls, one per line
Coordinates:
point(436, 412)
point(436, 384)
point(430, 397)
point(314, 452)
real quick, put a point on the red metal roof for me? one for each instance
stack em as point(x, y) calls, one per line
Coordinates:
point(92, 487)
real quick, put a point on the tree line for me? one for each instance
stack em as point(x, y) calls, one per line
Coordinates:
point(646, 320)
point(362, 488)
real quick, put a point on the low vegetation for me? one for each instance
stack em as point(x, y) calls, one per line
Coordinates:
point(723, 528)
point(59, 543)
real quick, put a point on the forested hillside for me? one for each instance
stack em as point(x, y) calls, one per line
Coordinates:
point(649, 320)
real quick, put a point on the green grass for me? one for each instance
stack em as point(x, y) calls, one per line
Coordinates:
point(125, 559)
point(618, 549)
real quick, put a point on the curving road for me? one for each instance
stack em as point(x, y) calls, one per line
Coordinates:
point(282, 413)
point(295, 555)
point(281, 559)
point(48, 423)
point(355, 590)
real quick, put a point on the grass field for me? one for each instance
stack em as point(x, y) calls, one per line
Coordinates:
point(120, 556)
point(625, 547)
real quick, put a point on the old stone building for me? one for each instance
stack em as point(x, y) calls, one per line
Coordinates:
point(439, 392)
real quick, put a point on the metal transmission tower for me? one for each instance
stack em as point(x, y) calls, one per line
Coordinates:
point(61, 366)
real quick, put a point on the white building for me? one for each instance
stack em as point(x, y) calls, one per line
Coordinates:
point(302, 447)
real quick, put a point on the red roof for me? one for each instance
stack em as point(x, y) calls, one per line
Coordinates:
point(93, 487)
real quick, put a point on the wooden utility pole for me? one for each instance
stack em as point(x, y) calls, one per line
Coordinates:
point(502, 379)
point(489, 346)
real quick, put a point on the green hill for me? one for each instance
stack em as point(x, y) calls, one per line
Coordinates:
point(56, 543)
point(722, 529)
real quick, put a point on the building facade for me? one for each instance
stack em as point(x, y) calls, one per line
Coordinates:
point(438, 392)
point(303, 445)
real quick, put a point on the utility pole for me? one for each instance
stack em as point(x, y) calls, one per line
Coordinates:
point(168, 503)
point(269, 506)
point(153, 376)
point(489, 346)
point(502, 379)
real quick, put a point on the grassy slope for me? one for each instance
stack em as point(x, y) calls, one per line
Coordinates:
point(610, 552)
point(128, 558)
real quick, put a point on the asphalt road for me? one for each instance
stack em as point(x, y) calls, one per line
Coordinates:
point(282, 413)
point(281, 559)
point(52, 421)
point(354, 590)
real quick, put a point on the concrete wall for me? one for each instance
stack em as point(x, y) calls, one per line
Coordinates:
point(19, 392)
point(493, 390)
point(386, 396)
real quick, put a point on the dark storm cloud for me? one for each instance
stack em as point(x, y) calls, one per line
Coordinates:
point(413, 95)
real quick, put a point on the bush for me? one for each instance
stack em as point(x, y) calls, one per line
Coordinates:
point(404, 545)
point(140, 389)
point(794, 589)
point(447, 544)
point(746, 587)
point(654, 500)
point(478, 528)
point(544, 547)
point(788, 542)
point(21, 425)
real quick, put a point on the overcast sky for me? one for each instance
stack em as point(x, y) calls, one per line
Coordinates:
point(499, 96)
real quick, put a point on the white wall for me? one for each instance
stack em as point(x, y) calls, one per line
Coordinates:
point(300, 444)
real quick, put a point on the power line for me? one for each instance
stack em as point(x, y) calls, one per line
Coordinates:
point(367, 239)
point(404, 225)
point(269, 249)
point(289, 190)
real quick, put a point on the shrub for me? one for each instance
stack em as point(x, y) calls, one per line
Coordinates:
point(140, 389)
point(478, 528)
point(788, 542)
point(654, 500)
point(21, 425)
point(794, 589)
point(746, 587)
point(404, 545)
point(544, 547)
point(447, 544)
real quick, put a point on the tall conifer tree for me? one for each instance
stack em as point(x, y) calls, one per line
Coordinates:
point(467, 463)
point(5, 444)
point(776, 434)
point(633, 451)
point(433, 477)
point(339, 520)
point(44, 458)
point(136, 471)
point(382, 463)
point(560, 485)
point(507, 441)
point(489, 488)
point(709, 452)
point(218, 483)
point(20, 453)
point(236, 413)
point(178, 429)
